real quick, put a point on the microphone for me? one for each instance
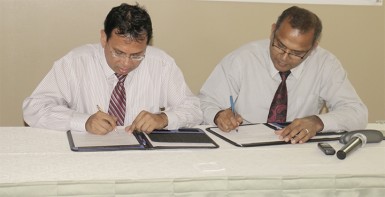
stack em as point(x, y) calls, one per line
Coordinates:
point(373, 136)
point(356, 139)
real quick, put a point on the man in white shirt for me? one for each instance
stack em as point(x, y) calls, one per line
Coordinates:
point(251, 75)
point(75, 94)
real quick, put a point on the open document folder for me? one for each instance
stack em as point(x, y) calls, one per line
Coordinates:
point(122, 140)
point(262, 134)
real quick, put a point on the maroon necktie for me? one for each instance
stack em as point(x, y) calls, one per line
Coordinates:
point(278, 106)
point(118, 100)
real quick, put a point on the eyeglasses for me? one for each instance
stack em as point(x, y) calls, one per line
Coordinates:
point(124, 56)
point(281, 48)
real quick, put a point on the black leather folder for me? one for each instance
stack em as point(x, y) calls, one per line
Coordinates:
point(262, 134)
point(158, 139)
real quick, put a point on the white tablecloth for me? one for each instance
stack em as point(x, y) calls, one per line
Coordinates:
point(38, 162)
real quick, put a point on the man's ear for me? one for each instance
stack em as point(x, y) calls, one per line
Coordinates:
point(103, 38)
point(315, 44)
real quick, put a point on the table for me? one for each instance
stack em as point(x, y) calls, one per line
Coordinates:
point(38, 162)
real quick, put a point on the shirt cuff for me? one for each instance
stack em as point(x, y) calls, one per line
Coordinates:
point(78, 121)
point(329, 124)
point(172, 120)
point(209, 116)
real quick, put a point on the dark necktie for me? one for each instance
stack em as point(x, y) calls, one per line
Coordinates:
point(118, 100)
point(278, 106)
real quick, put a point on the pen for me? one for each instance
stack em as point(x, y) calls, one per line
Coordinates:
point(232, 108)
point(100, 109)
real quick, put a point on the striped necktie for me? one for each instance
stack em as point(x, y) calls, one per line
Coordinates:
point(117, 106)
point(278, 108)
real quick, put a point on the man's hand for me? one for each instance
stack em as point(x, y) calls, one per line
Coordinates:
point(227, 121)
point(147, 122)
point(101, 123)
point(301, 130)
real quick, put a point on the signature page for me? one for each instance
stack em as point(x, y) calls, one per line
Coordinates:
point(246, 134)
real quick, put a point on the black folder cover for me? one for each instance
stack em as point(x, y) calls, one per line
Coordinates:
point(158, 139)
point(326, 136)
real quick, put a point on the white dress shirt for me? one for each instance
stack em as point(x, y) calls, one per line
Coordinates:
point(82, 79)
point(248, 74)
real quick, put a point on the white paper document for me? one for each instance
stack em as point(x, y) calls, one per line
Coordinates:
point(115, 138)
point(249, 134)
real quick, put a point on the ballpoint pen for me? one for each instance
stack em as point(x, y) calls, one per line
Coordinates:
point(99, 109)
point(233, 109)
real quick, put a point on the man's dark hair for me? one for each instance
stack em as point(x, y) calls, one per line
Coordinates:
point(131, 21)
point(301, 19)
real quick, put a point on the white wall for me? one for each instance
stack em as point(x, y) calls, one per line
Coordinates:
point(35, 33)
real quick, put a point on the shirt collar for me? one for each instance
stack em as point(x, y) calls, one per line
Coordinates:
point(295, 72)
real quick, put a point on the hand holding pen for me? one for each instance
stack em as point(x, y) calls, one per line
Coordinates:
point(115, 119)
point(100, 123)
point(228, 120)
